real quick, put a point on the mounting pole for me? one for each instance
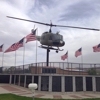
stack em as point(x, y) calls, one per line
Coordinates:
point(47, 60)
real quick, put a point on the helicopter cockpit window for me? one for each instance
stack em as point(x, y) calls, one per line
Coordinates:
point(58, 37)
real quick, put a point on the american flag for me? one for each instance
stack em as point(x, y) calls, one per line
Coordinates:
point(13, 47)
point(65, 56)
point(1, 48)
point(96, 48)
point(31, 36)
point(20, 43)
point(78, 52)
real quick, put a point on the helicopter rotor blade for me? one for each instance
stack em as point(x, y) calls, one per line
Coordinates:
point(78, 27)
point(53, 24)
point(29, 20)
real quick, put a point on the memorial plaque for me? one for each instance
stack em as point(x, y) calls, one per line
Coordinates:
point(17, 79)
point(44, 83)
point(79, 83)
point(48, 70)
point(22, 78)
point(68, 84)
point(4, 78)
point(88, 83)
point(36, 80)
point(1, 69)
point(56, 83)
point(97, 83)
point(12, 79)
point(28, 80)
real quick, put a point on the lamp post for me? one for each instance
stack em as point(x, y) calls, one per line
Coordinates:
point(32, 87)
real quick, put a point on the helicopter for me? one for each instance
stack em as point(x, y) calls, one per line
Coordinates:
point(50, 40)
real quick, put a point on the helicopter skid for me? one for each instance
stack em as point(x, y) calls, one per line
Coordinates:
point(44, 47)
point(60, 49)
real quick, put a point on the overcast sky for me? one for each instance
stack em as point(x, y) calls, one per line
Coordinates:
point(82, 13)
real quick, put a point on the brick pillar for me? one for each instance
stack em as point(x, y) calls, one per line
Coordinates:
point(94, 83)
point(25, 81)
point(62, 84)
point(39, 83)
point(84, 83)
point(32, 79)
point(50, 83)
point(74, 85)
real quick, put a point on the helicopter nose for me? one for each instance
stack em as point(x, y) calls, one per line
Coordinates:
point(62, 43)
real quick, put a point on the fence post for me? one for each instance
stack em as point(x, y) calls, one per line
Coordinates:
point(71, 68)
point(25, 81)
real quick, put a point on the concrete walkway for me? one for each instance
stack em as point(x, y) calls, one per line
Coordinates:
point(6, 88)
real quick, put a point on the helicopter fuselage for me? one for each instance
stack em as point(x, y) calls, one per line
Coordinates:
point(52, 39)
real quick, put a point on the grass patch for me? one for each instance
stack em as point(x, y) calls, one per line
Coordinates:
point(16, 97)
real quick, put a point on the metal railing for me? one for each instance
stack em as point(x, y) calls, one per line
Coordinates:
point(54, 68)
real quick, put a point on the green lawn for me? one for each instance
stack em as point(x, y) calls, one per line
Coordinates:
point(15, 97)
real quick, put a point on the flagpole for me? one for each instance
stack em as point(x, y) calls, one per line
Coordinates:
point(67, 62)
point(23, 55)
point(2, 58)
point(82, 62)
point(36, 52)
point(15, 58)
point(3, 55)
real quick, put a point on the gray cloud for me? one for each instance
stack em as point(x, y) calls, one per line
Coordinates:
point(82, 10)
point(45, 3)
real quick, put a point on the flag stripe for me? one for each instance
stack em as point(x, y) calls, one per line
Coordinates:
point(78, 52)
point(65, 56)
point(20, 43)
point(96, 48)
point(31, 36)
point(15, 46)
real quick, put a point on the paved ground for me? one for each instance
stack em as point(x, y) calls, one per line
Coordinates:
point(6, 88)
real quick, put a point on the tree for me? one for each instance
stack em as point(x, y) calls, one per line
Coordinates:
point(92, 71)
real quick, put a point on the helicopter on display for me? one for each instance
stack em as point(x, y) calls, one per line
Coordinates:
point(50, 40)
